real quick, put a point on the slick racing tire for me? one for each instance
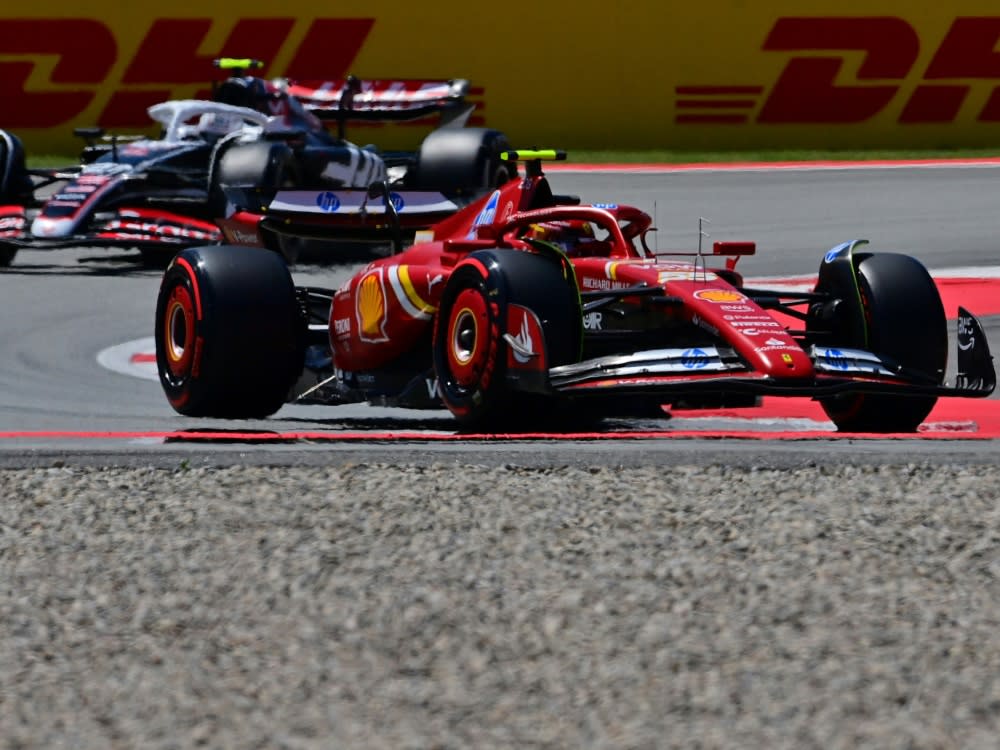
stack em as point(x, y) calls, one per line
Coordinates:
point(230, 337)
point(469, 349)
point(7, 253)
point(906, 323)
point(463, 161)
point(15, 181)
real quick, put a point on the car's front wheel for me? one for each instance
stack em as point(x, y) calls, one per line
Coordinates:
point(906, 324)
point(7, 253)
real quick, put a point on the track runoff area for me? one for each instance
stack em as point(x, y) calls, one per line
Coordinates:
point(774, 419)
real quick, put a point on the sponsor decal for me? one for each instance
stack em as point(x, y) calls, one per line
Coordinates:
point(99, 172)
point(673, 266)
point(522, 347)
point(783, 347)
point(687, 275)
point(355, 202)
point(328, 201)
point(524, 339)
point(836, 359)
point(787, 359)
point(242, 236)
point(719, 295)
point(397, 201)
point(776, 344)
point(433, 387)
point(758, 323)
point(370, 307)
point(593, 321)
point(758, 316)
point(831, 255)
point(154, 229)
point(508, 211)
point(589, 282)
point(737, 308)
point(606, 206)
point(966, 333)
point(342, 326)
point(694, 359)
point(487, 214)
point(705, 325)
point(849, 69)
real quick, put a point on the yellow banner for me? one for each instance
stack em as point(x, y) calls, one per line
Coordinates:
point(717, 74)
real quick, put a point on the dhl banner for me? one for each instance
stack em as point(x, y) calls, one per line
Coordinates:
point(714, 74)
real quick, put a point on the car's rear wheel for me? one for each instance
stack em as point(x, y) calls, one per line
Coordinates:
point(230, 338)
point(15, 184)
point(470, 352)
point(906, 324)
point(463, 160)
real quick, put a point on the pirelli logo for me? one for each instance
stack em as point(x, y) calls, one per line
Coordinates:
point(817, 85)
point(53, 69)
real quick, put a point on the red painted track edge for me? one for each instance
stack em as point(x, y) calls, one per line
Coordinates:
point(417, 437)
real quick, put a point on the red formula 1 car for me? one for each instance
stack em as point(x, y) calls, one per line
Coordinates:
point(162, 194)
point(526, 302)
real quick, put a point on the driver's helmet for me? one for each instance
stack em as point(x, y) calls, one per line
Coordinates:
point(247, 92)
point(566, 234)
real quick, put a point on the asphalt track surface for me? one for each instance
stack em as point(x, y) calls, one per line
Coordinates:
point(61, 308)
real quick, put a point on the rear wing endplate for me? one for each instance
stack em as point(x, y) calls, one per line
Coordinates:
point(975, 371)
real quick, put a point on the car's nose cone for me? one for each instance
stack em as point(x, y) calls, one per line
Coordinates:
point(48, 228)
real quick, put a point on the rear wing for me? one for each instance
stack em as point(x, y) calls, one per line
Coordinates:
point(377, 100)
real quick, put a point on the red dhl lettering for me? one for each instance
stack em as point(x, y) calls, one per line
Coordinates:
point(806, 91)
point(169, 55)
point(78, 63)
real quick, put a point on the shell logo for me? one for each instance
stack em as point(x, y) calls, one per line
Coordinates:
point(718, 295)
point(371, 308)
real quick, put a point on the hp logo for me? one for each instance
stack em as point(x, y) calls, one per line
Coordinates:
point(328, 201)
point(694, 359)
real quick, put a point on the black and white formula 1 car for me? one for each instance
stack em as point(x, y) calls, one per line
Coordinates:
point(162, 194)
